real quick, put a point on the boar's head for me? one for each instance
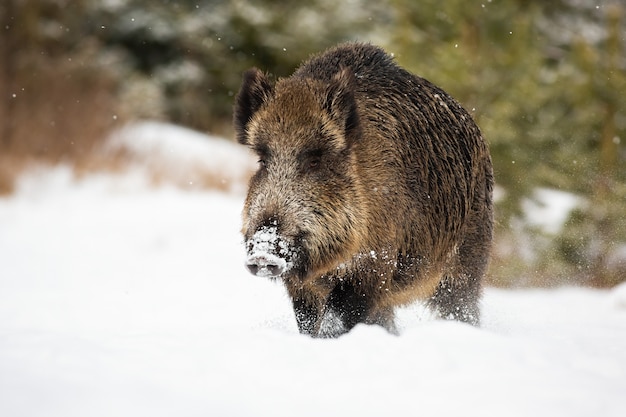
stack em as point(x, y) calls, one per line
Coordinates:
point(304, 210)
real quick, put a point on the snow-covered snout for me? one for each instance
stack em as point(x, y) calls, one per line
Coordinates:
point(273, 226)
point(268, 253)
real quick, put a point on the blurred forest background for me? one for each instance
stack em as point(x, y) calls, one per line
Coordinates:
point(546, 81)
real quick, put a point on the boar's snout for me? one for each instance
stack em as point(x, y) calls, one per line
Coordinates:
point(268, 254)
point(266, 265)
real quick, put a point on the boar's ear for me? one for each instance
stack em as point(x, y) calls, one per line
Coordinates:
point(341, 104)
point(255, 90)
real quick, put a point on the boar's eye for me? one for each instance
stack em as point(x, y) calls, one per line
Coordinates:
point(312, 160)
point(315, 162)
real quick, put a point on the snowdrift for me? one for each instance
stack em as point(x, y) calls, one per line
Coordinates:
point(177, 155)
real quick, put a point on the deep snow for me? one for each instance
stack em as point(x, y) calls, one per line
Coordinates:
point(118, 298)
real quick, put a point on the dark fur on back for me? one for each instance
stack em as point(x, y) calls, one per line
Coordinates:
point(394, 205)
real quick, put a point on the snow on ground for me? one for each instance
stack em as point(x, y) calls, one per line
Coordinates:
point(121, 299)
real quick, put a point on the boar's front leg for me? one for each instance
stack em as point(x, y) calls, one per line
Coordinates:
point(307, 314)
point(308, 303)
point(344, 309)
point(348, 306)
point(327, 315)
point(322, 312)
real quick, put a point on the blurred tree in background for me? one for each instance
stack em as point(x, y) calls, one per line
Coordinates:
point(189, 55)
point(53, 81)
point(546, 82)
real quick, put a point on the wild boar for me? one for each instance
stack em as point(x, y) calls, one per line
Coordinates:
point(374, 189)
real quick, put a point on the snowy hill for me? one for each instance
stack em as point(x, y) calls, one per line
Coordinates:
point(177, 155)
point(118, 298)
